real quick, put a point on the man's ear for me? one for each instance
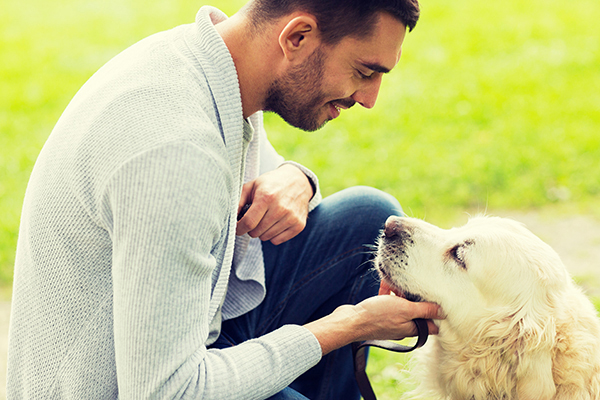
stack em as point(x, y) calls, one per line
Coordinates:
point(300, 37)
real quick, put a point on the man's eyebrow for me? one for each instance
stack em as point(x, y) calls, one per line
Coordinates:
point(375, 67)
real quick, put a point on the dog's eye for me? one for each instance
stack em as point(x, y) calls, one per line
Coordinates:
point(458, 253)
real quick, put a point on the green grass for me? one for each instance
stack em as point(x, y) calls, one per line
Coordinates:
point(389, 373)
point(493, 105)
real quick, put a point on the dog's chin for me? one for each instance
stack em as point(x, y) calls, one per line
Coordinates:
point(415, 298)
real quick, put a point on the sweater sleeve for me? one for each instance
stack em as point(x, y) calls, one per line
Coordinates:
point(168, 210)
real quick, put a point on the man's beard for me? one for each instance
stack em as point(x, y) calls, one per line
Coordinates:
point(297, 96)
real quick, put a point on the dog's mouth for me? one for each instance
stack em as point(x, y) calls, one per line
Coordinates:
point(387, 287)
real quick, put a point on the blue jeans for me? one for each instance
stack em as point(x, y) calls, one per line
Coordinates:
point(328, 264)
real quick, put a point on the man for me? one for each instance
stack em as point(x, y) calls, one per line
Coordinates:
point(134, 277)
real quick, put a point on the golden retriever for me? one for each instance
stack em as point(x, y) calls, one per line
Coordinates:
point(517, 327)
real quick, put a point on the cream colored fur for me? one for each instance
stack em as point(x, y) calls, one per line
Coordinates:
point(517, 327)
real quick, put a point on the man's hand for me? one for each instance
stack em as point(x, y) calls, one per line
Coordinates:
point(279, 205)
point(390, 317)
point(384, 317)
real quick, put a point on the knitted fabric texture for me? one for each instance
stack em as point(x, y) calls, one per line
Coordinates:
point(126, 246)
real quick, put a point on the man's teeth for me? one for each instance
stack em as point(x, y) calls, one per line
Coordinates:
point(337, 107)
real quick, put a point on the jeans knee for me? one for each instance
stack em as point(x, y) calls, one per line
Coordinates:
point(360, 209)
point(377, 202)
point(288, 394)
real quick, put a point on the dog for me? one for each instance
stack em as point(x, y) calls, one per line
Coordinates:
point(517, 326)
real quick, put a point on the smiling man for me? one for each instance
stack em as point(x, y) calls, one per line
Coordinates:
point(167, 251)
point(304, 75)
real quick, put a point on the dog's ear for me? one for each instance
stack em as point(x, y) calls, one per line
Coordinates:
point(534, 370)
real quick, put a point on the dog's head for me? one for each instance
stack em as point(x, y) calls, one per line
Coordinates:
point(490, 264)
point(496, 281)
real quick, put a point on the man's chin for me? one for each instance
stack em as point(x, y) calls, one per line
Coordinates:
point(313, 128)
point(303, 124)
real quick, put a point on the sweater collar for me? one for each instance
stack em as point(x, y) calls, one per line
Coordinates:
point(219, 69)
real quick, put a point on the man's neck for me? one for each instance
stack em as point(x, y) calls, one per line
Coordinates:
point(253, 62)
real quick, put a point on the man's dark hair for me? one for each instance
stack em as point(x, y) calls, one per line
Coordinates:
point(337, 19)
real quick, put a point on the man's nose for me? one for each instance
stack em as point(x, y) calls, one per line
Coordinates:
point(366, 95)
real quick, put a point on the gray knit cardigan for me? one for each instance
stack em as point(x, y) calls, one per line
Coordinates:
point(125, 261)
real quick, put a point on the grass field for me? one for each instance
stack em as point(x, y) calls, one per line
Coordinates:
point(493, 105)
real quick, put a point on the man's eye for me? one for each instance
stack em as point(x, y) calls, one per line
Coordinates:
point(364, 76)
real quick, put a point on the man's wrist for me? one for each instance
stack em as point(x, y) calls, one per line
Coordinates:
point(308, 174)
point(337, 329)
point(310, 188)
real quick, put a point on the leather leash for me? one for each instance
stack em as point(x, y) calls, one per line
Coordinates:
point(360, 357)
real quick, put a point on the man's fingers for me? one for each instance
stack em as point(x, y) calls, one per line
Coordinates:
point(277, 225)
point(424, 310)
point(428, 311)
point(261, 221)
point(246, 195)
point(251, 219)
point(242, 211)
point(433, 329)
point(282, 229)
point(285, 235)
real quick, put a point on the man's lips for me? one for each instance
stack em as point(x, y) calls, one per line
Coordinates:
point(338, 105)
point(344, 103)
point(334, 111)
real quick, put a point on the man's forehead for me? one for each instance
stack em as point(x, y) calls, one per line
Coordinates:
point(380, 58)
point(380, 51)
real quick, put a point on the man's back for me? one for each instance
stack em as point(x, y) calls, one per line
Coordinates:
point(140, 116)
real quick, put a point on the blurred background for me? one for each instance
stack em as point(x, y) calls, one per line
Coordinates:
point(494, 106)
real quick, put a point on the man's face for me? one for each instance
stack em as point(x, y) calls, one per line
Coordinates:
point(336, 77)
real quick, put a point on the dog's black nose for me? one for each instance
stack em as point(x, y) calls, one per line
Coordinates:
point(393, 226)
